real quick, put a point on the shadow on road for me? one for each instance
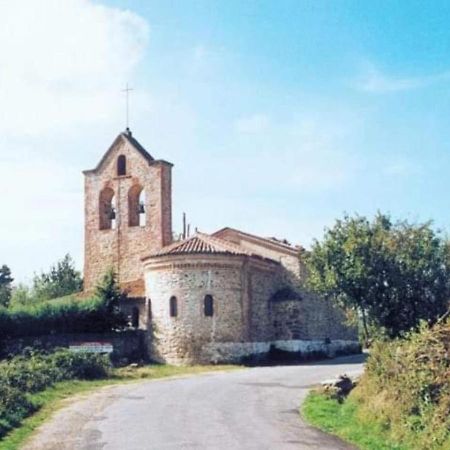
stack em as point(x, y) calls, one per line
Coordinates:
point(280, 359)
point(349, 359)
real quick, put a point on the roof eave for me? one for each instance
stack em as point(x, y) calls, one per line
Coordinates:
point(135, 144)
point(287, 248)
point(206, 254)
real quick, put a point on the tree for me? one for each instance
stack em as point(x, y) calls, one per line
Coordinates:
point(393, 275)
point(21, 295)
point(62, 279)
point(112, 296)
point(5, 285)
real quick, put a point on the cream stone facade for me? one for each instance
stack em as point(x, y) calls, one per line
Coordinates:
point(219, 297)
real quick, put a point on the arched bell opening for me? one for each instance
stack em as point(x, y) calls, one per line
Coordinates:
point(137, 216)
point(107, 209)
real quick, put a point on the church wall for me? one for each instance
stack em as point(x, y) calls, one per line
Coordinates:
point(180, 340)
point(264, 281)
point(246, 321)
point(288, 320)
point(288, 257)
point(310, 318)
point(280, 350)
point(325, 320)
point(123, 247)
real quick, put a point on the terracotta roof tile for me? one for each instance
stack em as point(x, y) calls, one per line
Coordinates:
point(202, 243)
point(271, 242)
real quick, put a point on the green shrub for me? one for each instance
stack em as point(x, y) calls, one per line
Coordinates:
point(14, 406)
point(80, 365)
point(406, 388)
point(69, 315)
point(34, 371)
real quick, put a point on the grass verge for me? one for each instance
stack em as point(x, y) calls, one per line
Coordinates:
point(55, 397)
point(341, 419)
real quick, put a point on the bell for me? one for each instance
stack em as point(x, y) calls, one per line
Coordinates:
point(141, 208)
point(112, 214)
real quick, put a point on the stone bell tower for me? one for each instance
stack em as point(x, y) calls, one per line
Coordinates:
point(128, 213)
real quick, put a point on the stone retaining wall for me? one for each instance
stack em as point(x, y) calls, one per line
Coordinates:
point(234, 352)
point(128, 345)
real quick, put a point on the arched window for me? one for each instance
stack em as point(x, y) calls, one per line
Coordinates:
point(136, 206)
point(208, 305)
point(135, 317)
point(173, 307)
point(121, 165)
point(107, 209)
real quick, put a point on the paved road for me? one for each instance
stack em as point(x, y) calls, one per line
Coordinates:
point(253, 408)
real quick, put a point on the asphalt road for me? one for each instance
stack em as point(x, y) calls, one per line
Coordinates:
point(254, 408)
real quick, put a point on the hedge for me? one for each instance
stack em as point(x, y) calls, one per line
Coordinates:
point(65, 316)
point(32, 372)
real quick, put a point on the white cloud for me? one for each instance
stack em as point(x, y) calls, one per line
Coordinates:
point(62, 67)
point(375, 81)
point(63, 63)
point(255, 123)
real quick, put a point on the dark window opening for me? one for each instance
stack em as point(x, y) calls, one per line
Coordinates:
point(173, 307)
point(121, 165)
point(135, 317)
point(107, 209)
point(209, 306)
point(136, 207)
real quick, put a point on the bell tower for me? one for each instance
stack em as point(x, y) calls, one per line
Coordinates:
point(128, 213)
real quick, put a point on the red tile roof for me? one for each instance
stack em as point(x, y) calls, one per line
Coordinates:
point(265, 242)
point(202, 243)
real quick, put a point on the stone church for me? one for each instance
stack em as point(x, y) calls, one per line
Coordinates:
point(219, 297)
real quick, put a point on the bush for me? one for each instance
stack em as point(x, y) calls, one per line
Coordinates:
point(34, 371)
point(80, 365)
point(406, 388)
point(69, 315)
point(14, 406)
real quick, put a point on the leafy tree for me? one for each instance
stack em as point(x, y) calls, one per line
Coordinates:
point(393, 274)
point(62, 279)
point(21, 295)
point(5, 285)
point(110, 293)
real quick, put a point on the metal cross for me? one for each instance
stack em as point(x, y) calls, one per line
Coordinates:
point(127, 92)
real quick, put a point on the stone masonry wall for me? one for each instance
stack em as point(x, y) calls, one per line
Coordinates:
point(264, 281)
point(123, 247)
point(310, 318)
point(179, 340)
point(245, 314)
point(277, 351)
point(288, 257)
point(128, 345)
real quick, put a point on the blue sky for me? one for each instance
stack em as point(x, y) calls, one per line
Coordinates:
point(278, 116)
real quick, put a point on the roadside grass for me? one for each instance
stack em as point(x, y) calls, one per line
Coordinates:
point(342, 420)
point(54, 398)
